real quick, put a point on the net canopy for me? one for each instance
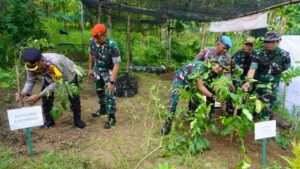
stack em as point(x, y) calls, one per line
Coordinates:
point(190, 10)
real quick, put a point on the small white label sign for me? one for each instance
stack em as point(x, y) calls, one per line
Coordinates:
point(265, 129)
point(25, 117)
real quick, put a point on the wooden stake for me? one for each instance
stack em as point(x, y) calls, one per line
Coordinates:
point(234, 115)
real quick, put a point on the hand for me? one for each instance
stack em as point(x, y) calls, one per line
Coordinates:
point(33, 99)
point(232, 88)
point(246, 86)
point(111, 87)
point(18, 96)
point(91, 73)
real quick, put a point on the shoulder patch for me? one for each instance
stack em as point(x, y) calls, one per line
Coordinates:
point(54, 73)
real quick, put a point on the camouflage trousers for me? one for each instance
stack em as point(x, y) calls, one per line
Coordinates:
point(178, 83)
point(105, 98)
point(270, 103)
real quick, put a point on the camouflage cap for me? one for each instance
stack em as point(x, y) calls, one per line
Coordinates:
point(249, 39)
point(222, 60)
point(271, 36)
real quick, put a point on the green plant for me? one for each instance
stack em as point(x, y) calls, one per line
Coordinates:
point(164, 166)
point(294, 162)
point(6, 159)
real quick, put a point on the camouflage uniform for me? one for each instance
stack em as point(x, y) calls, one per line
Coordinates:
point(269, 66)
point(243, 61)
point(208, 53)
point(105, 56)
point(183, 78)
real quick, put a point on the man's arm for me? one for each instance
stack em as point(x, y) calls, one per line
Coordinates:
point(201, 55)
point(250, 75)
point(203, 89)
point(115, 72)
point(91, 65)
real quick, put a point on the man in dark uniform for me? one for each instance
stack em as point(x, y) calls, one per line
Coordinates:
point(104, 63)
point(183, 79)
point(241, 60)
point(267, 67)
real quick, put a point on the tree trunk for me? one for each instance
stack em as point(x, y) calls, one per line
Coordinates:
point(99, 11)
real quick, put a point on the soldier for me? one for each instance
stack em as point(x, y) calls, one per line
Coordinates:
point(222, 46)
point(53, 68)
point(241, 59)
point(183, 79)
point(267, 67)
point(104, 63)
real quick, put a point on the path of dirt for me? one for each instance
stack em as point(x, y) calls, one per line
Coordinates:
point(135, 134)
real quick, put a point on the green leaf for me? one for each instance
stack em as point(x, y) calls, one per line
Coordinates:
point(54, 113)
point(248, 114)
point(258, 106)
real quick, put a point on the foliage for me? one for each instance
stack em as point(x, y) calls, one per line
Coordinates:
point(294, 162)
point(6, 160)
point(6, 78)
point(63, 91)
point(164, 166)
point(291, 15)
point(289, 74)
point(283, 139)
point(15, 29)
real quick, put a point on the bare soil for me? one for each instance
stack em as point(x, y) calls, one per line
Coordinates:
point(136, 133)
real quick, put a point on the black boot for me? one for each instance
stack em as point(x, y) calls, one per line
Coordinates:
point(100, 112)
point(48, 123)
point(79, 123)
point(167, 127)
point(77, 120)
point(111, 121)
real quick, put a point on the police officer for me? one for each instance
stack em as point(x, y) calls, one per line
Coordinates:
point(53, 69)
point(104, 63)
point(183, 79)
point(267, 67)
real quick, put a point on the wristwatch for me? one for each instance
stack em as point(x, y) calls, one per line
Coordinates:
point(112, 82)
point(213, 96)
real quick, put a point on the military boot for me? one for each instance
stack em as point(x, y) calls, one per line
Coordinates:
point(48, 123)
point(100, 112)
point(78, 122)
point(111, 121)
point(167, 127)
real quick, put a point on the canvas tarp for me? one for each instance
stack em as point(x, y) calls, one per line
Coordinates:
point(255, 21)
point(291, 44)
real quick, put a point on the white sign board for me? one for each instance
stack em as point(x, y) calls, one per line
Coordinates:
point(265, 129)
point(25, 117)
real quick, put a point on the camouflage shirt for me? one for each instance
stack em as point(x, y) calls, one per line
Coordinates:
point(270, 65)
point(241, 60)
point(207, 53)
point(105, 55)
point(193, 71)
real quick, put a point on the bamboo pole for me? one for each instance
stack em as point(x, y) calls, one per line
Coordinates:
point(82, 28)
point(129, 41)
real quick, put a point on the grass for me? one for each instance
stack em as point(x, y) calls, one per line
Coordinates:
point(48, 160)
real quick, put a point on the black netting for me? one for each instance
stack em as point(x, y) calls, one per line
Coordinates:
point(195, 10)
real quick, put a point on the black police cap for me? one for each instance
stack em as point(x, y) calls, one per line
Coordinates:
point(32, 55)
